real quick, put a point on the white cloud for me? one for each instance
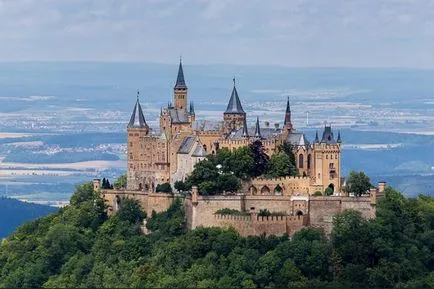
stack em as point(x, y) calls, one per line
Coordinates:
point(287, 32)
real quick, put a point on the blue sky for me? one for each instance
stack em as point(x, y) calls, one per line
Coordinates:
point(283, 32)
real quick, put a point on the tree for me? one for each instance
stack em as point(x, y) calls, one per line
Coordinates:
point(164, 188)
point(279, 165)
point(130, 211)
point(120, 182)
point(357, 183)
point(288, 149)
point(260, 159)
point(180, 186)
point(328, 191)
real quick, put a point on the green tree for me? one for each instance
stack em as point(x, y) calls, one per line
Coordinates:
point(180, 186)
point(164, 188)
point(279, 165)
point(130, 211)
point(328, 191)
point(120, 182)
point(260, 159)
point(288, 149)
point(357, 183)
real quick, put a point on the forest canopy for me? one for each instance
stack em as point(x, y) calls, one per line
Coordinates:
point(79, 246)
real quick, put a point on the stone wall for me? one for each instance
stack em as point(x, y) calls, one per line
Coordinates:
point(258, 225)
point(322, 209)
point(158, 202)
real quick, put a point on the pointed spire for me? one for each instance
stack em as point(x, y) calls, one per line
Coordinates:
point(234, 105)
point(245, 129)
point(257, 128)
point(288, 108)
point(180, 81)
point(339, 140)
point(288, 123)
point(137, 119)
point(191, 107)
point(161, 111)
point(316, 137)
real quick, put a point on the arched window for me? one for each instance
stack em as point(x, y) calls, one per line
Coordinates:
point(309, 159)
point(300, 161)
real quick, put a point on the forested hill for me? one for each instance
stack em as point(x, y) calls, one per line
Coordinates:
point(80, 247)
point(14, 213)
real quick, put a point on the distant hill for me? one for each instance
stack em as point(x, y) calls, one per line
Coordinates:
point(14, 213)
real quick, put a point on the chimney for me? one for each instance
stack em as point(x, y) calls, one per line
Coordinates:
point(267, 124)
point(381, 187)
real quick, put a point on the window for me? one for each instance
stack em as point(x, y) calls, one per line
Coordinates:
point(309, 160)
point(131, 156)
point(300, 161)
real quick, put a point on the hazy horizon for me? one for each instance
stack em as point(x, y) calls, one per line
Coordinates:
point(296, 33)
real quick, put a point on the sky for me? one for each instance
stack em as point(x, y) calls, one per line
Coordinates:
point(306, 33)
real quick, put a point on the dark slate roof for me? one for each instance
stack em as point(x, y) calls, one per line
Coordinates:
point(257, 128)
point(207, 125)
point(137, 118)
point(327, 136)
point(187, 144)
point(180, 81)
point(245, 129)
point(266, 133)
point(234, 105)
point(178, 115)
point(316, 137)
point(199, 151)
point(297, 139)
point(339, 140)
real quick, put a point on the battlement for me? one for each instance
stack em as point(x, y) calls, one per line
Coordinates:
point(282, 179)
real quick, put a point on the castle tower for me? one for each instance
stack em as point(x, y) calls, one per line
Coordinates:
point(180, 90)
point(234, 116)
point(288, 123)
point(191, 113)
point(327, 158)
point(137, 129)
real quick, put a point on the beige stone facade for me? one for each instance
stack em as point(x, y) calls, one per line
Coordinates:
point(169, 154)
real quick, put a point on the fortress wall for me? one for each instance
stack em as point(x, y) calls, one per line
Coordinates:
point(258, 225)
point(290, 185)
point(322, 209)
point(271, 203)
point(203, 211)
point(158, 202)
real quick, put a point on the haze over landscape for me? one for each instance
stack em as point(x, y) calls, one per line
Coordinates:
point(69, 73)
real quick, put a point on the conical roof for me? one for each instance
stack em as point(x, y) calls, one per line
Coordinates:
point(245, 129)
point(234, 105)
point(257, 128)
point(137, 119)
point(180, 81)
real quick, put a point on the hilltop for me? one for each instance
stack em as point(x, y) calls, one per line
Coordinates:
point(79, 246)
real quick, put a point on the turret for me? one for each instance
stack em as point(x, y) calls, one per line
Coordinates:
point(245, 129)
point(234, 116)
point(288, 123)
point(180, 89)
point(257, 128)
point(137, 120)
point(137, 130)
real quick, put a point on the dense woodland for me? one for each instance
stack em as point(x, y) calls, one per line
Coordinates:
point(79, 246)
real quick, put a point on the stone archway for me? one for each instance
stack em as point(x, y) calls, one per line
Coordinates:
point(253, 190)
point(265, 190)
point(332, 187)
point(278, 190)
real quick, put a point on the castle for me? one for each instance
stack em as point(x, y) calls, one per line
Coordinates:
point(170, 154)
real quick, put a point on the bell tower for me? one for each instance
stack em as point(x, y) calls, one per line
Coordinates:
point(180, 90)
point(234, 117)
